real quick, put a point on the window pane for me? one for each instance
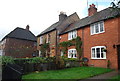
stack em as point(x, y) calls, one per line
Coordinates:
point(41, 40)
point(71, 55)
point(98, 52)
point(68, 35)
point(101, 27)
point(75, 34)
point(92, 29)
point(93, 52)
point(96, 28)
point(102, 52)
point(75, 54)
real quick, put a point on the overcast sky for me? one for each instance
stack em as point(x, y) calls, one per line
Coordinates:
point(40, 14)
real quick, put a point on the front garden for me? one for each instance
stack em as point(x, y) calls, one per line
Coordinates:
point(70, 73)
point(53, 68)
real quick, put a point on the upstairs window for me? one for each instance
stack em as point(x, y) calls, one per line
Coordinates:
point(97, 28)
point(72, 34)
point(41, 40)
point(97, 52)
point(72, 53)
point(48, 38)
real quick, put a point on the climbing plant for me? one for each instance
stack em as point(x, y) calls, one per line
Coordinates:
point(64, 45)
point(74, 42)
point(78, 44)
point(43, 48)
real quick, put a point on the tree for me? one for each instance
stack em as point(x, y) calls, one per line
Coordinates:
point(115, 5)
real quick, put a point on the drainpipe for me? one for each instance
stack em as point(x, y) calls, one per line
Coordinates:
point(82, 42)
point(56, 43)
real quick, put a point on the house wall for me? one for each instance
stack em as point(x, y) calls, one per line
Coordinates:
point(119, 30)
point(19, 48)
point(52, 42)
point(109, 38)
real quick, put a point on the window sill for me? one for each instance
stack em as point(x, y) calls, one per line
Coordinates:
point(98, 33)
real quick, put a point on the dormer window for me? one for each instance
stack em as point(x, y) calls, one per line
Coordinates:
point(72, 34)
point(97, 28)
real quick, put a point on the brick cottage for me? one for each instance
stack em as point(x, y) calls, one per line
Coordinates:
point(100, 35)
point(19, 43)
point(51, 34)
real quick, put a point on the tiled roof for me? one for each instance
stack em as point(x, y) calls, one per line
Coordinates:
point(99, 16)
point(61, 25)
point(20, 33)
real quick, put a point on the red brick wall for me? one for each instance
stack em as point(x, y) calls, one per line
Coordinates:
point(64, 37)
point(19, 48)
point(108, 39)
point(119, 30)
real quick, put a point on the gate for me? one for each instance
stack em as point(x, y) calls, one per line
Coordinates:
point(11, 72)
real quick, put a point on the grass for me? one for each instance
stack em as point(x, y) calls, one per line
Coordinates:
point(71, 73)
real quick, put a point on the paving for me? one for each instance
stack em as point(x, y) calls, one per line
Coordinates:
point(103, 77)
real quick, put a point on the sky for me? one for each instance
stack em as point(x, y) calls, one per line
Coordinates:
point(40, 14)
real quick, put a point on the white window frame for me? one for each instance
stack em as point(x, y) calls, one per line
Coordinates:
point(93, 28)
point(74, 51)
point(72, 35)
point(41, 39)
point(47, 38)
point(61, 53)
point(104, 53)
point(39, 53)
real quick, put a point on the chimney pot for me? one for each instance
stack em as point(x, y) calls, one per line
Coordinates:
point(62, 16)
point(27, 27)
point(92, 10)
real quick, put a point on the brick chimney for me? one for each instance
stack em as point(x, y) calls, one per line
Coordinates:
point(62, 16)
point(92, 10)
point(27, 27)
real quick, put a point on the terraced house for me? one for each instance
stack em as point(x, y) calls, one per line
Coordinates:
point(49, 38)
point(100, 35)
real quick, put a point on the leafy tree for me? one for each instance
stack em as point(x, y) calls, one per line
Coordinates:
point(115, 5)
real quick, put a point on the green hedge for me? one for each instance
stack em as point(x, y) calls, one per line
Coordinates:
point(7, 59)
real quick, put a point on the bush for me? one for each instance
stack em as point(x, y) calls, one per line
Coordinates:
point(7, 60)
point(31, 60)
point(69, 59)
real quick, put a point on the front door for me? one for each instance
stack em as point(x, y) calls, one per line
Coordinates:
point(119, 57)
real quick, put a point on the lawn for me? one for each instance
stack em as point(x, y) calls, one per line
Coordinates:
point(70, 73)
